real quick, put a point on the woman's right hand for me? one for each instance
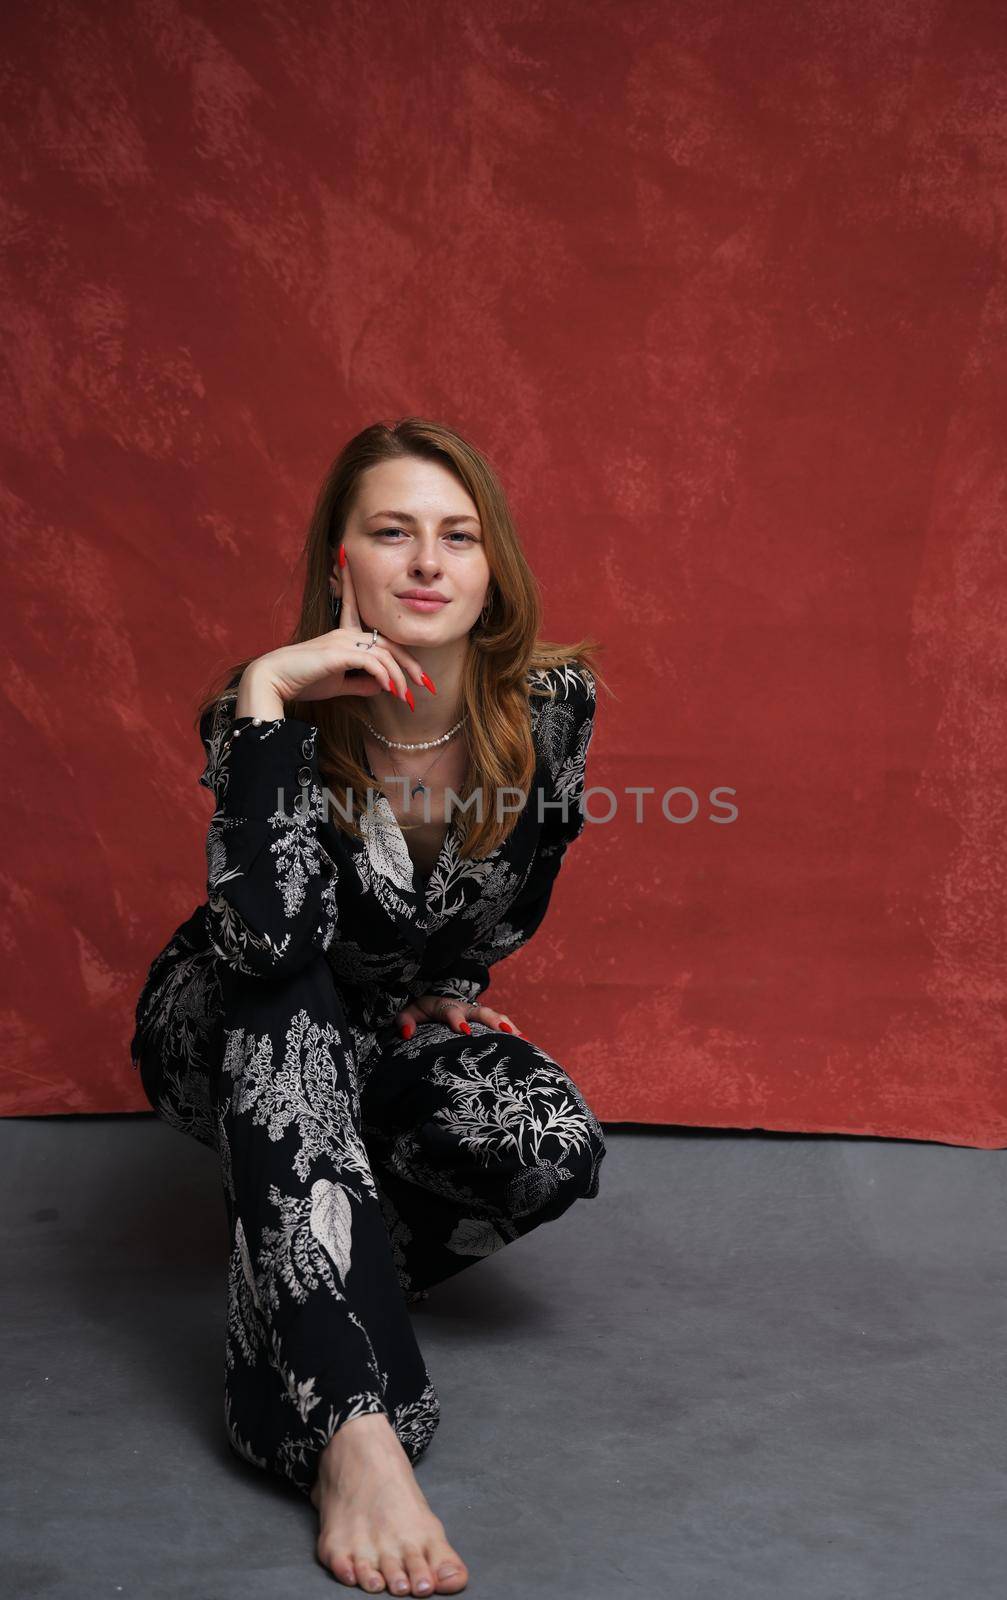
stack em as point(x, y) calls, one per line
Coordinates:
point(338, 662)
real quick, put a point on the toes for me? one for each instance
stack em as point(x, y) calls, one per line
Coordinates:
point(340, 1566)
point(368, 1576)
point(420, 1575)
point(450, 1571)
point(395, 1575)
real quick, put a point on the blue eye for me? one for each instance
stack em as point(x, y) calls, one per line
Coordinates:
point(456, 533)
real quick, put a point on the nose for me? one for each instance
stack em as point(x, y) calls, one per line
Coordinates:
point(426, 556)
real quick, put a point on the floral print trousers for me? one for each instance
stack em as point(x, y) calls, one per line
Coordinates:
point(351, 1187)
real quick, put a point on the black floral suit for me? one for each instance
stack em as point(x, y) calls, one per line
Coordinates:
point(358, 1168)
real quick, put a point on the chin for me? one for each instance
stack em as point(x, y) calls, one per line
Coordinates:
point(422, 622)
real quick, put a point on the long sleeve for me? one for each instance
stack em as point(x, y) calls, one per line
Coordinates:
point(270, 882)
point(564, 728)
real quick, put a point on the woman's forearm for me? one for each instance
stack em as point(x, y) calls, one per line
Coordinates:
point(257, 695)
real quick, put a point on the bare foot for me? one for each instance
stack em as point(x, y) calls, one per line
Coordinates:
point(376, 1528)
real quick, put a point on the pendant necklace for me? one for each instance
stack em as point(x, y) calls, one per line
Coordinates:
point(416, 786)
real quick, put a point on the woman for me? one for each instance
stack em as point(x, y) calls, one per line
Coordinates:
point(318, 1020)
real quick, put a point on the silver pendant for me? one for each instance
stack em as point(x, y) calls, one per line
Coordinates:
point(421, 788)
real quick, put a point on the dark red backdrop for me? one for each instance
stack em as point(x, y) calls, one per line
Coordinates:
point(720, 290)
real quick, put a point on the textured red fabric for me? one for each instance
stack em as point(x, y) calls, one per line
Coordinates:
point(721, 292)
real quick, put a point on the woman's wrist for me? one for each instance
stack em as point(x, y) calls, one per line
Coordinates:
point(258, 695)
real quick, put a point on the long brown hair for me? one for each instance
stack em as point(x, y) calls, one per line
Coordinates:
point(503, 648)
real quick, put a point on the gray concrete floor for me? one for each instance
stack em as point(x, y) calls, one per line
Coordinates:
point(756, 1365)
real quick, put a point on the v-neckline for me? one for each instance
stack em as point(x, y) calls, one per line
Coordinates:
point(419, 890)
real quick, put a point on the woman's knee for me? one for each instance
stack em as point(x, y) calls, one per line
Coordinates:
point(174, 1056)
point(584, 1171)
point(178, 1091)
point(553, 1184)
point(550, 1139)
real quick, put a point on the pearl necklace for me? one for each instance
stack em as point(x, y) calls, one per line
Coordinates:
point(429, 744)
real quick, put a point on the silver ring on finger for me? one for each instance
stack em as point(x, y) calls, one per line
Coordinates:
point(447, 1000)
point(372, 643)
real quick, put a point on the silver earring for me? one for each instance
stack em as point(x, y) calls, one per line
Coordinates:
point(335, 605)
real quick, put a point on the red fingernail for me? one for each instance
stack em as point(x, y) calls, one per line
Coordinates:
point(507, 1026)
point(463, 1027)
point(391, 688)
point(428, 683)
point(407, 1029)
point(342, 556)
point(410, 700)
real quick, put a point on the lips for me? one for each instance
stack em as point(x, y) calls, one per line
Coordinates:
point(421, 604)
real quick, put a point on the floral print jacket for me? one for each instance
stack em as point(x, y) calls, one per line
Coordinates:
point(285, 884)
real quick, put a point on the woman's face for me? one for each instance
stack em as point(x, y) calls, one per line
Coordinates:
point(414, 526)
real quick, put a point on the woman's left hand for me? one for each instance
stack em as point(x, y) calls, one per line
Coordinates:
point(456, 1013)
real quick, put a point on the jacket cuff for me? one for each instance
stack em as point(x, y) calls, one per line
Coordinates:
point(269, 766)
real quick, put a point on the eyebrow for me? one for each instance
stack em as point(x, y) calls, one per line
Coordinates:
point(406, 516)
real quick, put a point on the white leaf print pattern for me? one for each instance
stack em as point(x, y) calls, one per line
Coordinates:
point(238, 936)
point(468, 989)
point(331, 1222)
point(414, 1421)
point(246, 1262)
point(407, 1157)
point(571, 773)
point(491, 1113)
point(486, 913)
point(240, 1444)
point(216, 854)
point(454, 879)
point(305, 1092)
point(386, 849)
point(183, 1103)
point(298, 851)
point(299, 1391)
point(293, 1256)
point(244, 1325)
point(215, 774)
point(530, 1188)
point(555, 730)
point(224, 1152)
point(181, 997)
